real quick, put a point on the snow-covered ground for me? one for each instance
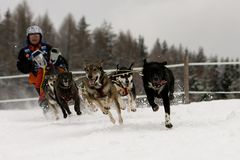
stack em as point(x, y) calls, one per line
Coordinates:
point(201, 131)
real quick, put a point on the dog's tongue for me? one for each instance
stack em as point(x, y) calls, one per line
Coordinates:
point(160, 82)
point(91, 82)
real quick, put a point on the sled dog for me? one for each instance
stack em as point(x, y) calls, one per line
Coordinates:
point(50, 95)
point(66, 90)
point(123, 81)
point(158, 82)
point(99, 90)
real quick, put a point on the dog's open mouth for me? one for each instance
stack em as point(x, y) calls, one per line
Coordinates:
point(93, 81)
point(159, 83)
point(66, 84)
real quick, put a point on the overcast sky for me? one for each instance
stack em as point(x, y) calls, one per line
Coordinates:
point(211, 24)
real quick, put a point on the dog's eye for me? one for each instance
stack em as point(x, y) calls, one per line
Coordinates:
point(94, 69)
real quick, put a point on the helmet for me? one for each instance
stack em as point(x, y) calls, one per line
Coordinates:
point(54, 54)
point(34, 29)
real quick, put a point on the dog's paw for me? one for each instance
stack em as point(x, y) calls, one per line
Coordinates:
point(65, 116)
point(113, 120)
point(94, 109)
point(107, 107)
point(133, 109)
point(171, 96)
point(120, 121)
point(155, 108)
point(79, 113)
point(168, 125)
point(105, 112)
point(123, 107)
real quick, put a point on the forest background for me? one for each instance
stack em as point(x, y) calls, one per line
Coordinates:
point(80, 45)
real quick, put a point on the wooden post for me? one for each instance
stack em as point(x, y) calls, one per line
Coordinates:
point(186, 79)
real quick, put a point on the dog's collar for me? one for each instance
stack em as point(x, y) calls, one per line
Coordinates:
point(65, 87)
point(158, 89)
point(66, 98)
point(53, 97)
point(50, 91)
point(118, 83)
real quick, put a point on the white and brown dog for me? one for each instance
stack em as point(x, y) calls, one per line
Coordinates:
point(123, 80)
point(98, 89)
point(50, 95)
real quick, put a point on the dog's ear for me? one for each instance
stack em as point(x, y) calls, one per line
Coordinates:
point(144, 61)
point(164, 63)
point(47, 76)
point(70, 75)
point(59, 76)
point(117, 67)
point(130, 67)
point(100, 65)
point(85, 66)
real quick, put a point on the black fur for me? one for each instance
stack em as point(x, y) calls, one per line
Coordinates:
point(158, 82)
point(66, 90)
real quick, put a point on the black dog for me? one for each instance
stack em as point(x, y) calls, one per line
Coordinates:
point(66, 90)
point(158, 82)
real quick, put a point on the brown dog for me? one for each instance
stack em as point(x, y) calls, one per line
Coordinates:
point(99, 90)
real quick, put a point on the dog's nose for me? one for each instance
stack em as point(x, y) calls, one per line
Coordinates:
point(90, 76)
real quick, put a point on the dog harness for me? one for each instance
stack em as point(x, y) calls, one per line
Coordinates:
point(100, 89)
point(158, 88)
point(123, 91)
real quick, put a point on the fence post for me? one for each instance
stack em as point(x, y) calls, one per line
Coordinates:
point(186, 79)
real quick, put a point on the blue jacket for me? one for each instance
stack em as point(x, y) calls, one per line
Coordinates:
point(25, 64)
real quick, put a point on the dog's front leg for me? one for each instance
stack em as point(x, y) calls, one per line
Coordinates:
point(100, 105)
point(122, 104)
point(53, 106)
point(65, 106)
point(107, 112)
point(166, 103)
point(150, 97)
point(131, 102)
point(120, 119)
point(77, 105)
point(63, 110)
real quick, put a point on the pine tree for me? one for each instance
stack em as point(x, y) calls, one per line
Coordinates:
point(67, 41)
point(128, 50)
point(236, 79)
point(142, 52)
point(23, 19)
point(7, 43)
point(156, 51)
point(83, 44)
point(49, 32)
point(226, 80)
point(164, 47)
point(103, 41)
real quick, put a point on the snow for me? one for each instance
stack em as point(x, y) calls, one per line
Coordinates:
point(205, 130)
